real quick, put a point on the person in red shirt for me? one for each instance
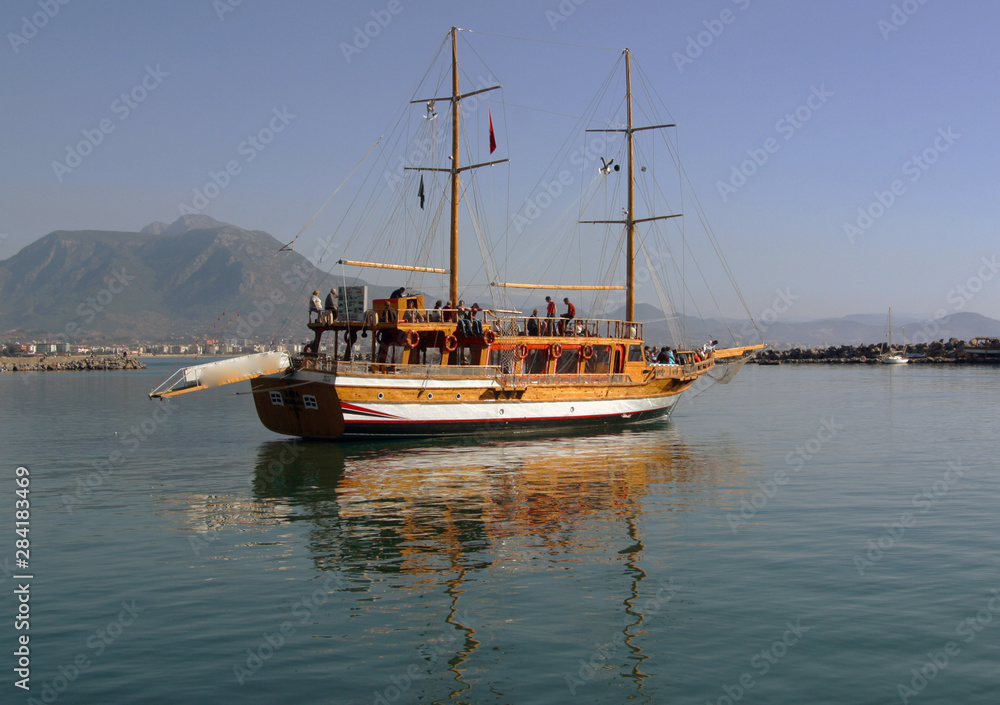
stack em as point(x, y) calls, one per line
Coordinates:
point(550, 313)
point(569, 315)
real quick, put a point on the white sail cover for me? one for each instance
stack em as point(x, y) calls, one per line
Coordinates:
point(220, 372)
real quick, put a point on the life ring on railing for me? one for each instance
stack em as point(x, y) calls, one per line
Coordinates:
point(371, 318)
point(412, 338)
point(450, 343)
point(521, 351)
point(587, 351)
point(489, 336)
point(555, 350)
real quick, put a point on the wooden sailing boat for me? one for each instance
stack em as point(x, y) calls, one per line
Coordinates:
point(429, 373)
point(889, 357)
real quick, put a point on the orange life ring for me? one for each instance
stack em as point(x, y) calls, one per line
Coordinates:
point(450, 343)
point(412, 338)
point(587, 351)
point(555, 350)
point(521, 351)
point(489, 336)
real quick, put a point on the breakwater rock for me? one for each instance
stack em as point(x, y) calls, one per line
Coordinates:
point(78, 363)
point(950, 351)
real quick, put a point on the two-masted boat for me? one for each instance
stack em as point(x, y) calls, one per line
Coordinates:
point(436, 371)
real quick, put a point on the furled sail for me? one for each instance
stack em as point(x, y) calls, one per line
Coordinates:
point(220, 372)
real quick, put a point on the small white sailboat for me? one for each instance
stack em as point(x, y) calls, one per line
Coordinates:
point(888, 357)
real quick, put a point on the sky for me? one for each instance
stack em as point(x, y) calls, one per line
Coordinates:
point(844, 153)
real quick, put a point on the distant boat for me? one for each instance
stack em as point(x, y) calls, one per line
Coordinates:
point(888, 357)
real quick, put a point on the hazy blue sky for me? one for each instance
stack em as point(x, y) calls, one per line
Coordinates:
point(875, 83)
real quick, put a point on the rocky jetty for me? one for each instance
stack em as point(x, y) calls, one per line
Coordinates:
point(938, 351)
point(76, 363)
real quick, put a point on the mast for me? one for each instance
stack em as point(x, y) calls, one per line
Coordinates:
point(630, 215)
point(454, 170)
point(453, 247)
point(630, 220)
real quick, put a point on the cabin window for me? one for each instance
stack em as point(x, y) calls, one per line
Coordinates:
point(567, 364)
point(536, 361)
point(276, 399)
point(309, 401)
point(635, 354)
point(600, 363)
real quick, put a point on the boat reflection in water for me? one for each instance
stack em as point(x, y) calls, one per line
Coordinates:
point(448, 522)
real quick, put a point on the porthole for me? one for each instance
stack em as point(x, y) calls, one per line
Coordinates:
point(381, 395)
point(501, 412)
point(458, 396)
point(571, 409)
point(430, 396)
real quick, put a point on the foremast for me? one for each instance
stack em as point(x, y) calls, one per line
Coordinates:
point(456, 168)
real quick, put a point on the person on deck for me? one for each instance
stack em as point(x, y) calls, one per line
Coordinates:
point(464, 320)
point(412, 314)
point(569, 316)
point(435, 315)
point(475, 324)
point(331, 306)
point(398, 293)
point(315, 305)
point(550, 315)
point(533, 324)
point(448, 312)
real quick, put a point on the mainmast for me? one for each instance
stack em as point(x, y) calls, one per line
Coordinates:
point(630, 216)
point(453, 247)
point(630, 219)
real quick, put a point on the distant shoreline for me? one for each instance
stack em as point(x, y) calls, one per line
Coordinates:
point(71, 363)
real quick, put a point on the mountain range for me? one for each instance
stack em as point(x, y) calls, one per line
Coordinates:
point(201, 278)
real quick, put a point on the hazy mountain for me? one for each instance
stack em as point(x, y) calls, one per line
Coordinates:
point(200, 277)
point(848, 330)
point(189, 278)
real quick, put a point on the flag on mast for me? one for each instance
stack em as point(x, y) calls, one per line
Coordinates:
point(420, 192)
point(493, 139)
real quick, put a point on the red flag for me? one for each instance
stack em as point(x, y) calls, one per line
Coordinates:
point(493, 139)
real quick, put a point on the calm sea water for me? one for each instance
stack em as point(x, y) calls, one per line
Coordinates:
point(802, 535)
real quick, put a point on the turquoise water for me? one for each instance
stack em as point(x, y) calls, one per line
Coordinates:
point(722, 557)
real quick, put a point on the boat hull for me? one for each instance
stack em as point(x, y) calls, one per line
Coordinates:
point(295, 405)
